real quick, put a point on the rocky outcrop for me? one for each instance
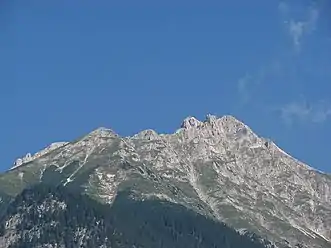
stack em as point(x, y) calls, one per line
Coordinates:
point(28, 157)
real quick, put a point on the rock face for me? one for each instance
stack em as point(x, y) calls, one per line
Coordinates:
point(217, 167)
point(28, 157)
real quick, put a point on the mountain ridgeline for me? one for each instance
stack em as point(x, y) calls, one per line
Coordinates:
point(212, 183)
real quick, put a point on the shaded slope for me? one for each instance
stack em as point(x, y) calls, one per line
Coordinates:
point(51, 216)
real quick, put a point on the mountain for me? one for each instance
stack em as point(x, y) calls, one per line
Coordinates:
point(217, 170)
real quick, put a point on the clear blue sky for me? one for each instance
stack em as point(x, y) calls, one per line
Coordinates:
point(68, 67)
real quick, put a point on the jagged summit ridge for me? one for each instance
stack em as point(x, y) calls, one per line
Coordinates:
point(226, 124)
point(213, 120)
point(212, 128)
point(92, 138)
point(29, 157)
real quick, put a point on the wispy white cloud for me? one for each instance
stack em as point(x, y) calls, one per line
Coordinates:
point(304, 111)
point(243, 88)
point(298, 29)
point(249, 83)
point(254, 88)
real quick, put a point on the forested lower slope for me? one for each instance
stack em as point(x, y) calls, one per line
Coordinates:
point(45, 216)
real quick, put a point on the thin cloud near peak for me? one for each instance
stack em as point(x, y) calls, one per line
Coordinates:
point(304, 111)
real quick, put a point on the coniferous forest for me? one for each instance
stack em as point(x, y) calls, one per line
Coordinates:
point(55, 217)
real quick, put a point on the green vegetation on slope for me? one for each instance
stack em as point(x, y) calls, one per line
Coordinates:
point(127, 223)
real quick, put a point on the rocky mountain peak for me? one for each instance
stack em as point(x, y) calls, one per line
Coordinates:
point(190, 122)
point(148, 134)
point(231, 122)
point(103, 132)
point(226, 124)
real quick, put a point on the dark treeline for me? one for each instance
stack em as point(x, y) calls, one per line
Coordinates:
point(127, 223)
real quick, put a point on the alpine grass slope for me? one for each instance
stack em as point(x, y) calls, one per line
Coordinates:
point(192, 188)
